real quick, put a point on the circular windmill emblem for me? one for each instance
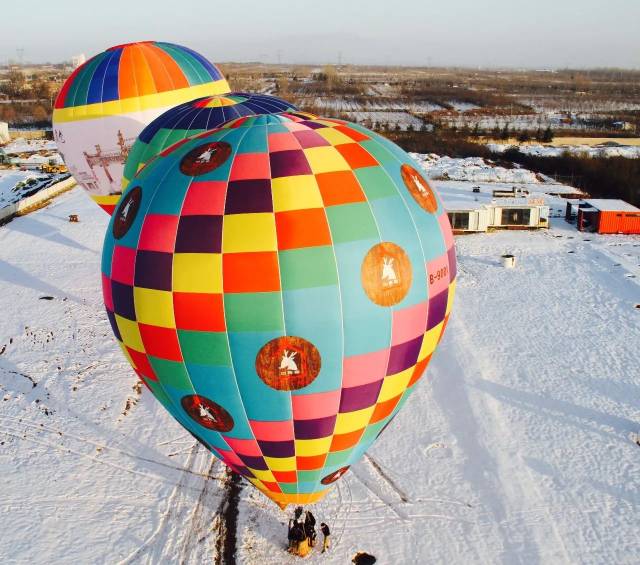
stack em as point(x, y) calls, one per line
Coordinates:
point(205, 158)
point(333, 477)
point(288, 363)
point(419, 188)
point(127, 211)
point(386, 274)
point(207, 413)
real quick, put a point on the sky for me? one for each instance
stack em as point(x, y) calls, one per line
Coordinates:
point(470, 33)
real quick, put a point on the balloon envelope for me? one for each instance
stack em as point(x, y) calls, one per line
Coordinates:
point(107, 101)
point(195, 117)
point(280, 284)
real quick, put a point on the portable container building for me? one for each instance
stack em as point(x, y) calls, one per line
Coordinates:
point(608, 216)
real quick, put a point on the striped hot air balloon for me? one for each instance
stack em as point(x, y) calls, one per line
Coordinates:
point(195, 117)
point(105, 103)
point(280, 284)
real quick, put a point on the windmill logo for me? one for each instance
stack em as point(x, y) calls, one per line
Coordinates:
point(386, 274)
point(419, 188)
point(389, 276)
point(419, 184)
point(205, 158)
point(126, 213)
point(207, 413)
point(288, 363)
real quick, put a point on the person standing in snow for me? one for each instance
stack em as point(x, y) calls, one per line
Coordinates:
point(326, 533)
point(310, 527)
point(291, 534)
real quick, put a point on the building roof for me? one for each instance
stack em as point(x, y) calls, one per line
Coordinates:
point(463, 205)
point(612, 205)
point(466, 206)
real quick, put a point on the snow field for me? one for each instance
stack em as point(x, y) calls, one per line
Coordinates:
point(513, 449)
point(629, 151)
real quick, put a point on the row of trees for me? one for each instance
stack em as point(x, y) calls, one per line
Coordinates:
point(504, 133)
point(29, 98)
point(612, 177)
point(440, 141)
point(36, 114)
point(17, 86)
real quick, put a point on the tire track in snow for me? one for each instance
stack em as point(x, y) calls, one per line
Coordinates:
point(359, 473)
point(227, 520)
point(463, 425)
point(403, 496)
point(200, 524)
point(172, 509)
point(100, 446)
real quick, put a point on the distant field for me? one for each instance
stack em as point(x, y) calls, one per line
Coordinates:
point(560, 141)
point(593, 141)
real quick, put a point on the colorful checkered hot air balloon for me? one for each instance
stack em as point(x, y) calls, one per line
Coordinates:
point(107, 101)
point(280, 284)
point(195, 117)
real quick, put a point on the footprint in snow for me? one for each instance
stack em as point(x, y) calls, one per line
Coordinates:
point(433, 446)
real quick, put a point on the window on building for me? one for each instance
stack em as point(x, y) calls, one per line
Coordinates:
point(516, 216)
point(459, 220)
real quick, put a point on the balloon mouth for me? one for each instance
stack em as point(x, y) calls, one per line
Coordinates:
point(284, 500)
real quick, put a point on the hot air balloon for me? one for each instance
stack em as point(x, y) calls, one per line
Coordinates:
point(106, 102)
point(280, 284)
point(195, 117)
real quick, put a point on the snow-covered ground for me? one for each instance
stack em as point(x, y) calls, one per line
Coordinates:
point(514, 449)
point(473, 169)
point(462, 106)
point(15, 184)
point(21, 145)
point(575, 104)
point(391, 119)
point(457, 179)
point(513, 122)
point(608, 150)
point(30, 154)
point(51, 158)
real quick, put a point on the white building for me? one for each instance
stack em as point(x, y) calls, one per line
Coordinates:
point(78, 60)
point(4, 132)
point(467, 218)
